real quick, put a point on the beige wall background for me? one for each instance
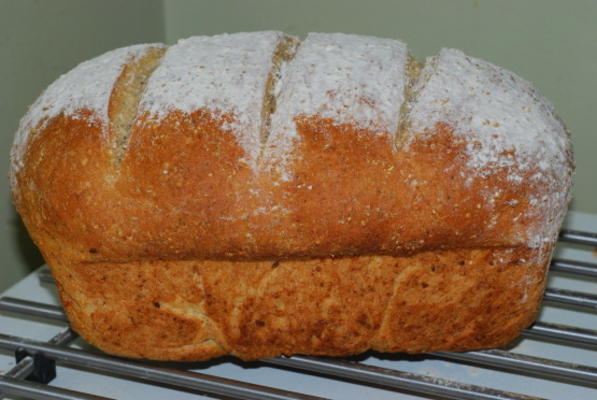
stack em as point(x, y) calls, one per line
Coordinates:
point(551, 43)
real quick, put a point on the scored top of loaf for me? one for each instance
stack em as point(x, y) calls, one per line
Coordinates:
point(86, 87)
point(507, 125)
point(275, 101)
point(499, 113)
point(221, 74)
point(349, 79)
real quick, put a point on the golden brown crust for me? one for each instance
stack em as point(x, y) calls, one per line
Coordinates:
point(189, 195)
point(195, 310)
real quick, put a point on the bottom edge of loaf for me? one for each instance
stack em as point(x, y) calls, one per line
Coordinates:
point(452, 300)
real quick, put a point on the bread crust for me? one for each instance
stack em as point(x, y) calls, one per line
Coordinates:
point(185, 237)
point(351, 194)
point(195, 310)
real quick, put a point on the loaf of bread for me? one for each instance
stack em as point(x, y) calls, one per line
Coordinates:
point(255, 195)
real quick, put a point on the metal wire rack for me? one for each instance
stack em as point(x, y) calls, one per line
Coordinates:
point(57, 348)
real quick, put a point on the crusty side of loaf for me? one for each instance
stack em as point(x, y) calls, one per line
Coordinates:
point(220, 168)
point(196, 310)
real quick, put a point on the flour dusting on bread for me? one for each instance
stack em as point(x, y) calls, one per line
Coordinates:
point(348, 79)
point(506, 125)
point(223, 74)
point(86, 87)
point(503, 119)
